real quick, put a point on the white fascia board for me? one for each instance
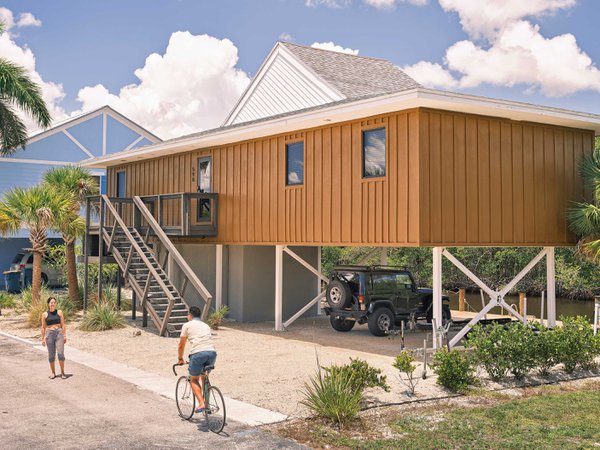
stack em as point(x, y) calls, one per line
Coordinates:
point(280, 51)
point(37, 161)
point(414, 98)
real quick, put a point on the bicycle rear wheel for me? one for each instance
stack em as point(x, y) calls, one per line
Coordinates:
point(217, 417)
point(184, 396)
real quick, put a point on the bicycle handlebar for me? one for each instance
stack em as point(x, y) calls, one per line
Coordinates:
point(178, 364)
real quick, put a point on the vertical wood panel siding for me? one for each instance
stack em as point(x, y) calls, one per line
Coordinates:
point(487, 181)
point(451, 179)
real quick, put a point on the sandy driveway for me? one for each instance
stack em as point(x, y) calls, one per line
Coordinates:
point(255, 364)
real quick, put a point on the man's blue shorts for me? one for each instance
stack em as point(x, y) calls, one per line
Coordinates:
point(198, 361)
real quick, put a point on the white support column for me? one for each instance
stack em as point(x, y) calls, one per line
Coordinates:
point(219, 277)
point(320, 269)
point(437, 290)
point(551, 286)
point(279, 288)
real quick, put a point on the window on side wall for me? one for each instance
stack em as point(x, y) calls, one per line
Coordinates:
point(294, 160)
point(373, 153)
point(121, 182)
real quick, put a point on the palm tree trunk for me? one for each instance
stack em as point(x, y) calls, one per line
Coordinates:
point(71, 269)
point(36, 283)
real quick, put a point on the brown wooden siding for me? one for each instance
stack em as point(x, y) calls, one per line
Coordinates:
point(487, 181)
point(451, 179)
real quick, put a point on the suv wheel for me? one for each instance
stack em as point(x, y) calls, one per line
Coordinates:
point(341, 324)
point(446, 316)
point(339, 294)
point(380, 321)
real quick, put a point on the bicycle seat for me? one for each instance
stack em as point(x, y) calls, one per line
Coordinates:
point(208, 368)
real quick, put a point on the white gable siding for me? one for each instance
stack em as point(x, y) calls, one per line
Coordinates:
point(282, 88)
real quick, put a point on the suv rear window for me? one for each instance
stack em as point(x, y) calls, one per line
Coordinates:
point(18, 258)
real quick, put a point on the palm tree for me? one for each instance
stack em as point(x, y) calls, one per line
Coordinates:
point(36, 208)
point(584, 217)
point(17, 90)
point(76, 183)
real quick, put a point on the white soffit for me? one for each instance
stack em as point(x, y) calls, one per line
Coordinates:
point(282, 84)
point(415, 98)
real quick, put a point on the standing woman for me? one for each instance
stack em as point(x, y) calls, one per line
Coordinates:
point(54, 336)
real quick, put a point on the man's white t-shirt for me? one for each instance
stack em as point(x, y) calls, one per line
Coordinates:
point(199, 336)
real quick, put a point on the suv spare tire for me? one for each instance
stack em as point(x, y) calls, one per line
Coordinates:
point(341, 324)
point(381, 321)
point(339, 295)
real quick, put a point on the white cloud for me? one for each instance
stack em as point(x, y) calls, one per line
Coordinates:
point(431, 75)
point(334, 47)
point(328, 3)
point(486, 18)
point(387, 4)
point(52, 93)
point(27, 19)
point(513, 51)
point(286, 37)
point(190, 88)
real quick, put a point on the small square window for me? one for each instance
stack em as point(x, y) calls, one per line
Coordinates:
point(294, 160)
point(374, 153)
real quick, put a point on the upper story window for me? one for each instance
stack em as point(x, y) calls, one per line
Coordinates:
point(294, 161)
point(121, 182)
point(373, 153)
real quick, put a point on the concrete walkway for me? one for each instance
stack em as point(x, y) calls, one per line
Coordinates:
point(236, 410)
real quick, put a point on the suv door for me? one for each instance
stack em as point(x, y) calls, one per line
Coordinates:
point(406, 292)
point(383, 287)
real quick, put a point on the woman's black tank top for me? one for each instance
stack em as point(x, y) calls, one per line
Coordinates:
point(52, 318)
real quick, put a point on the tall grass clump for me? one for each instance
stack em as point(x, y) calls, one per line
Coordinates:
point(63, 303)
point(8, 300)
point(102, 317)
point(330, 396)
point(215, 319)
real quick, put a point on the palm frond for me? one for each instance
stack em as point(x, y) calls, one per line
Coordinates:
point(589, 167)
point(584, 219)
point(13, 132)
point(17, 87)
point(72, 179)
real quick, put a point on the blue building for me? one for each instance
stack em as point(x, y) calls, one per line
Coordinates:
point(93, 134)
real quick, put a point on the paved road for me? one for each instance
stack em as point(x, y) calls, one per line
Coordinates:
point(94, 410)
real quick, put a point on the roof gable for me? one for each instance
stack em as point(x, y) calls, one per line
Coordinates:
point(295, 77)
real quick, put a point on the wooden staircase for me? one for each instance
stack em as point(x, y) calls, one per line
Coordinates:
point(140, 264)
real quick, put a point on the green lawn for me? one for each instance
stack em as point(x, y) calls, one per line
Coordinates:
point(550, 419)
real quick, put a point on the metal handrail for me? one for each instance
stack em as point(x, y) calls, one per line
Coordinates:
point(175, 255)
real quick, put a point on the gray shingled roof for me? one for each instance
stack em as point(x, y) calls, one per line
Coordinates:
point(353, 76)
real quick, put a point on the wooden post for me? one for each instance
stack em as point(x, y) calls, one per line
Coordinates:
point(522, 307)
point(461, 299)
point(100, 249)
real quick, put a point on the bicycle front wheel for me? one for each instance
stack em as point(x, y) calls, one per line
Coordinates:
point(184, 396)
point(216, 404)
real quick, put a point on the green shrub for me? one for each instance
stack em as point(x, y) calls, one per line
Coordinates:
point(454, 370)
point(63, 303)
point(101, 317)
point(519, 346)
point(404, 362)
point(332, 396)
point(488, 349)
point(216, 317)
point(576, 343)
point(8, 300)
point(546, 349)
point(360, 375)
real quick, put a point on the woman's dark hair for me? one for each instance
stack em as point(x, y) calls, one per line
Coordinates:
point(51, 298)
point(195, 311)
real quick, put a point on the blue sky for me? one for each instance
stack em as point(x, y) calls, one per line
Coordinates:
point(99, 45)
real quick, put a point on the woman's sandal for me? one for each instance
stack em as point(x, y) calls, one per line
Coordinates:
point(52, 377)
point(63, 377)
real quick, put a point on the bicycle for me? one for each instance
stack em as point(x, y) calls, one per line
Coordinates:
point(186, 400)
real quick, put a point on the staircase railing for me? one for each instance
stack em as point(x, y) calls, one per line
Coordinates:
point(173, 255)
point(152, 273)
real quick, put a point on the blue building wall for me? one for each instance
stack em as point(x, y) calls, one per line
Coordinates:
point(54, 148)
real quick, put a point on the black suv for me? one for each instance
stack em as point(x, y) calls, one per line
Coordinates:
point(383, 296)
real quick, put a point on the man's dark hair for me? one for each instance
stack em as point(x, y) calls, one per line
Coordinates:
point(195, 311)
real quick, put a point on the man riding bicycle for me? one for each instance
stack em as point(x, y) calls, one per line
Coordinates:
point(202, 352)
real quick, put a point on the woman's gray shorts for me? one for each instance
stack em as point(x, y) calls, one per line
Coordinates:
point(55, 341)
